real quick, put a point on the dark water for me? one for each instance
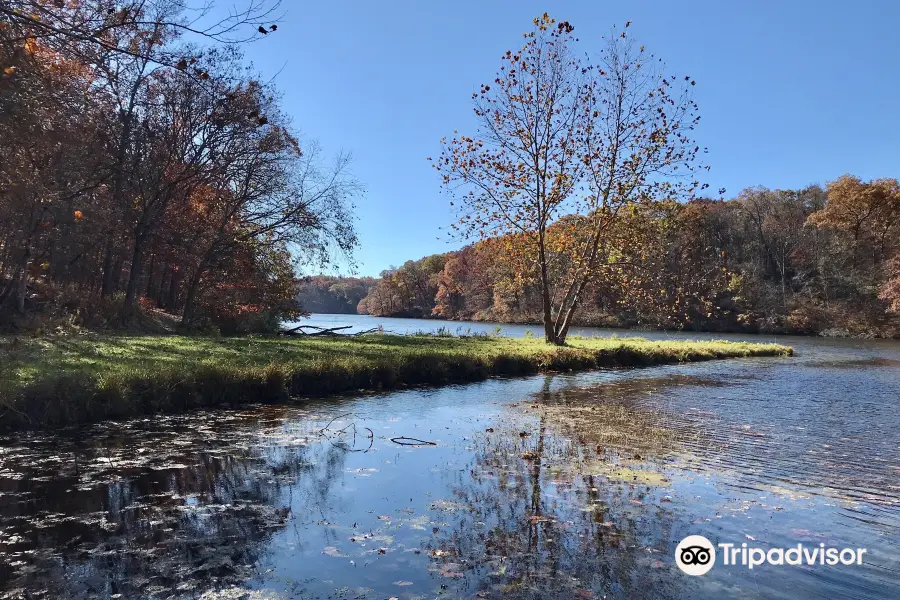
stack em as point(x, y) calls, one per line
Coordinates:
point(568, 486)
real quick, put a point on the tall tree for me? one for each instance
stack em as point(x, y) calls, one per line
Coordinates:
point(638, 147)
point(559, 136)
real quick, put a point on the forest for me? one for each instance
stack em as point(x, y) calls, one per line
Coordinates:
point(146, 169)
point(176, 423)
point(810, 261)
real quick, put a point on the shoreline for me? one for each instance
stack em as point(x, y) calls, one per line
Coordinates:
point(78, 380)
point(828, 333)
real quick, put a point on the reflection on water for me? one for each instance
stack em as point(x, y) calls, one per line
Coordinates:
point(569, 486)
point(148, 507)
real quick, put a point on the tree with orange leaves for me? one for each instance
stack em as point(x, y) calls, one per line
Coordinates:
point(866, 210)
point(138, 171)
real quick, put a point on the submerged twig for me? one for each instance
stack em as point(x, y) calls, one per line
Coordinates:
point(324, 429)
point(371, 441)
point(331, 435)
point(408, 441)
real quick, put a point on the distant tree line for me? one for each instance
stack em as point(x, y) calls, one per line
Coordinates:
point(333, 295)
point(792, 261)
point(143, 166)
point(583, 184)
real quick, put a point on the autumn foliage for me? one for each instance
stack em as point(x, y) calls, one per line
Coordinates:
point(564, 145)
point(808, 261)
point(140, 171)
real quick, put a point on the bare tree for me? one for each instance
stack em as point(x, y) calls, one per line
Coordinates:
point(562, 138)
point(91, 28)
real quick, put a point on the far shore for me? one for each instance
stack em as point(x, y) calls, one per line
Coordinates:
point(834, 332)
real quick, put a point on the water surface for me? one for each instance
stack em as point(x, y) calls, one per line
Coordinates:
point(358, 323)
point(567, 486)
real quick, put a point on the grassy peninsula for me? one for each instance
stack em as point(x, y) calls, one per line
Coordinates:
point(81, 379)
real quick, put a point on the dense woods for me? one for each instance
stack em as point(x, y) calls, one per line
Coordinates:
point(144, 166)
point(815, 260)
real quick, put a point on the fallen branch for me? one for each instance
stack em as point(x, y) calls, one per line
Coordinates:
point(331, 435)
point(324, 429)
point(408, 441)
point(371, 441)
point(378, 329)
point(298, 330)
point(323, 328)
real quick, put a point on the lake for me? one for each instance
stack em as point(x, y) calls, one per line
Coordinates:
point(358, 323)
point(551, 486)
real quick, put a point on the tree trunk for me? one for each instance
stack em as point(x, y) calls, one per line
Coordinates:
point(783, 286)
point(134, 277)
point(576, 288)
point(149, 289)
point(549, 330)
point(163, 286)
point(174, 282)
point(188, 315)
point(23, 284)
point(570, 312)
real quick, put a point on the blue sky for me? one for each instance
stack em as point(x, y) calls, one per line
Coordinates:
point(791, 92)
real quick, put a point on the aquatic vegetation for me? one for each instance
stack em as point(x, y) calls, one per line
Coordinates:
point(83, 379)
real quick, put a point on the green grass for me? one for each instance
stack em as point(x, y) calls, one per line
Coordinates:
point(81, 379)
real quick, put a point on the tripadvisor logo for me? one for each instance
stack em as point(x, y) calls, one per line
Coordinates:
point(696, 555)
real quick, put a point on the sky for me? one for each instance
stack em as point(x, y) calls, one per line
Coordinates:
point(791, 92)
